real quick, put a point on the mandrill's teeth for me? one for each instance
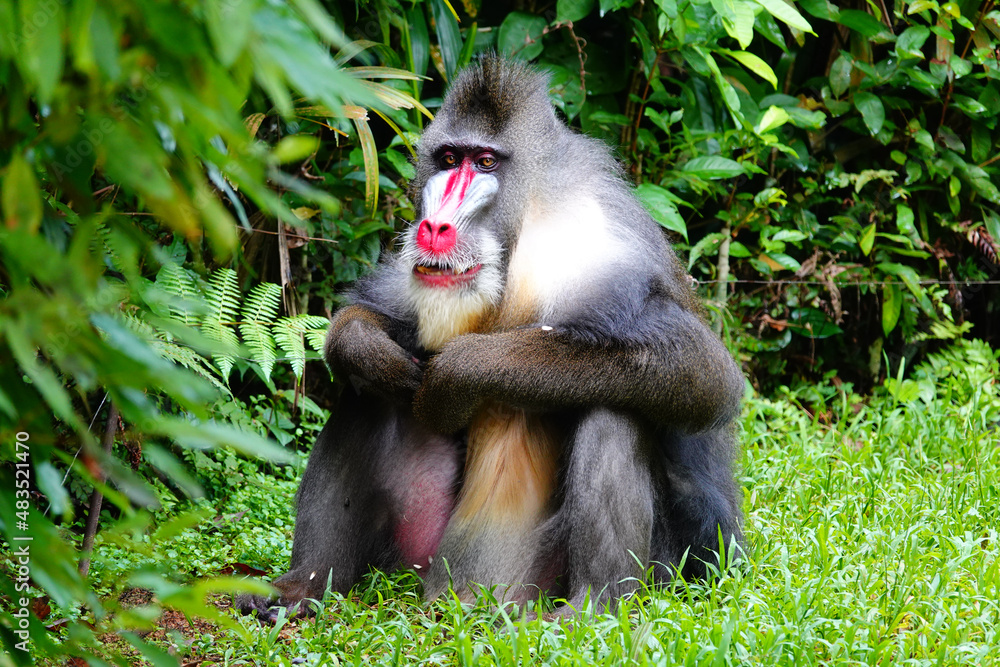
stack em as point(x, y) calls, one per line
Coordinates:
point(436, 271)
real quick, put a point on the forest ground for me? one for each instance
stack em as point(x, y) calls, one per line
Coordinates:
point(873, 530)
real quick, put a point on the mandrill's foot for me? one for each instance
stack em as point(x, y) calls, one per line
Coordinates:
point(298, 592)
point(268, 609)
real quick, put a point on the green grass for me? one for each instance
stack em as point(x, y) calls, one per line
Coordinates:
point(874, 539)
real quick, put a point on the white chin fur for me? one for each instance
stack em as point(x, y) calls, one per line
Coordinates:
point(446, 312)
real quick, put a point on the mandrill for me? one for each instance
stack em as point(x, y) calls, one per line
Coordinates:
point(539, 406)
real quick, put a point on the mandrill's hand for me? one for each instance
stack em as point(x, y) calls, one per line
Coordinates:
point(360, 350)
point(452, 388)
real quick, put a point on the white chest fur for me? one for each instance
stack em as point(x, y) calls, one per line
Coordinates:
point(560, 253)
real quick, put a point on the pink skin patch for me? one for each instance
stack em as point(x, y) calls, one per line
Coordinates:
point(453, 197)
point(436, 233)
point(427, 503)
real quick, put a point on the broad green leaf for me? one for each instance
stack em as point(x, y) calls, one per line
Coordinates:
point(911, 279)
point(789, 236)
point(286, 52)
point(220, 227)
point(566, 92)
point(295, 148)
point(766, 26)
point(814, 323)
point(864, 23)
point(952, 140)
point(821, 9)
point(399, 162)
point(970, 106)
point(105, 35)
point(781, 260)
point(370, 153)
point(168, 464)
point(229, 29)
point(20, 197)
point(729, 95)
point(755, 65)
point(786, 13)
point(49, 481)
point(41, 52)
point(657, 201)
point(318, 18)
point(449, 36)
point(898, 238)
point(904, 220)
point(840, 74)
point(645, 42)
point(706, 247)
point(668, 7)
point(992, 221)
point(743, 22)
point(772, 119)
point(919, 6)
point(871, 110)
point(520, 35)
point(573, 10)
point(737, 249)
point(805, 119)
point(610, 118)
point(211, 434)
point(469, 47)
point(177, 524)
point(867, 239)
point(44, 379)
point(419, 41)
point(892, 306)
point(909, 43)
point(713, 167)
point(737, 18)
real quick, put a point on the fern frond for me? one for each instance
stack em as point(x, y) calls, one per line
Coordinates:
point(139, 326)
point(179, 354)
point(259, 310)
point(178, 282)
point(289, 334)
point(185, 356)
point(315, 328)
point(223, 300)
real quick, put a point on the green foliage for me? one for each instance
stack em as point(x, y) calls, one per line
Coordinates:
point(171, 175)
point(215, 307)
point(113, 117)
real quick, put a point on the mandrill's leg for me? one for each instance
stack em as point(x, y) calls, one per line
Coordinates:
point(699, 503)
point(377, 492)
point(606, 520)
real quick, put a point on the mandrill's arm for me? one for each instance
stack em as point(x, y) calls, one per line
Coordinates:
point(685, 378)
point(361, 350)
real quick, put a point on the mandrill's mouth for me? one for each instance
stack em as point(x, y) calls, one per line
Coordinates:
point(442, 275)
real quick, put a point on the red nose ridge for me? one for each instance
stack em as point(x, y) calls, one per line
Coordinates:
point(436, 237)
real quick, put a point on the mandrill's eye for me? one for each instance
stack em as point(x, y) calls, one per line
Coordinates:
point(486, 162)
point(449, 160)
